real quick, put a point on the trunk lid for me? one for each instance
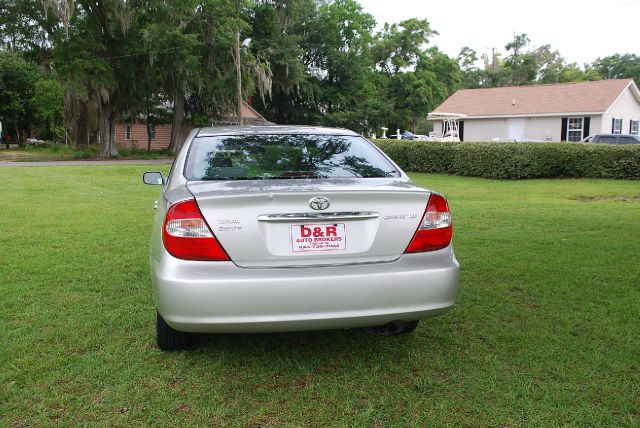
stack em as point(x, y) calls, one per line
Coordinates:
point(270, 223)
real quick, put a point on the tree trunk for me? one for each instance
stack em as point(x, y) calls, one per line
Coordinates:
point(113, 146)
point(17, 132)
point(107, 138)
point(148, 134)
point(238, 79)
point(176, 123)
point(81, 127)
point(104, 128)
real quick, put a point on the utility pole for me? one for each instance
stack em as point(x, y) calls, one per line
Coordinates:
point(238, 72)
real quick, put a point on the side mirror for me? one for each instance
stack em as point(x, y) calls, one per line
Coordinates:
point(153, 178)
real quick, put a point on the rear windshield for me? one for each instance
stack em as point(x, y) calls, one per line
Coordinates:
point(264, 157)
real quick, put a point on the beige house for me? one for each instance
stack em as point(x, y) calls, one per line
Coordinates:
point(557, 112)
point(134, 135)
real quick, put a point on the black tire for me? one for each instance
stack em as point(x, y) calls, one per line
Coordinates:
point(394, 328)
point(169, 339)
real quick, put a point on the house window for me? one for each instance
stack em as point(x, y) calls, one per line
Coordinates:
point(574, 129)
point(127, 132)
point(633, 127)
point(152, 131)
point(617, 126)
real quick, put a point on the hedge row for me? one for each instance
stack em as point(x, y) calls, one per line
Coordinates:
point(516, 160)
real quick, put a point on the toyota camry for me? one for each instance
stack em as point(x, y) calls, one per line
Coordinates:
point(289, 228)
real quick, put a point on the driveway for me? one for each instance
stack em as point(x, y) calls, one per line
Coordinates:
point(84, 163)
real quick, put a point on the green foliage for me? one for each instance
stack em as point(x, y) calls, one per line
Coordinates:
point(23, 26)
point(471, 73)
point(414, 78)
point(522, 67)
point(619, 67)
point(400, 46)
point(48, 105)
point(516, 160)
point(525, 65)
point(343, 63)
point(494, 73)
point(346, 76)
point(93, 58)
point(290, 39)
point(273, 44)
point(18, 78)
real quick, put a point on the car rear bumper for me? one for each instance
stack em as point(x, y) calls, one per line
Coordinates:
point(222, 297)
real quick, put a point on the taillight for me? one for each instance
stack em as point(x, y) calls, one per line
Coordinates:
point(435, 229)
point(186, 235)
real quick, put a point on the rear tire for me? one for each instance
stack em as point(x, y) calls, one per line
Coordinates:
point(394, 328)
point(168, 338)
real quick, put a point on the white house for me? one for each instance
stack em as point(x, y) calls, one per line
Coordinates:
point(557, 112)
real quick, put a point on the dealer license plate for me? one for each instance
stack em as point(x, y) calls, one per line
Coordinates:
point(318, 237)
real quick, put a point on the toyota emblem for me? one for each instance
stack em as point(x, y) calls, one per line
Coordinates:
point(319, 203)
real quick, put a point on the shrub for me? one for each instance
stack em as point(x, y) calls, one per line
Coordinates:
point(516, 160)
point(85, 152)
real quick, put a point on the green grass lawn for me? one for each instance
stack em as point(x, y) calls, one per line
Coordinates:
point(546, 330)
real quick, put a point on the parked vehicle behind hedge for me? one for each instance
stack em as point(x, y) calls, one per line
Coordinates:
point(612, 139)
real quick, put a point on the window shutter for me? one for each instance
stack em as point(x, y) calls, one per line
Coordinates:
point(586, 124)
point(613, 125)
point(461, 130)
point(630, 125)
point(563, 131)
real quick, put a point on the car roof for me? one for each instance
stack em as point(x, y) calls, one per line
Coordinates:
point(616, 135)
point(272, 130)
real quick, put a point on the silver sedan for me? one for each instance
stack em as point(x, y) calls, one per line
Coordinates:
point(286, 228)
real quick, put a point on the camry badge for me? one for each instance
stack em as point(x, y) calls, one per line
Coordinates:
point(319, 203)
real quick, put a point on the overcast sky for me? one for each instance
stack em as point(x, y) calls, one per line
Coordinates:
point(581, 30)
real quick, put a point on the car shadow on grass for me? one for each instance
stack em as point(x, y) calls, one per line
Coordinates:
point(314, 348)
